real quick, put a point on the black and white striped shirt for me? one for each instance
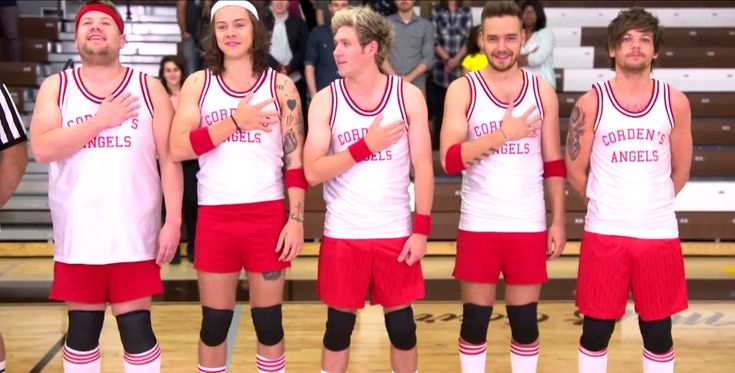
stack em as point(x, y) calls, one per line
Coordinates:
point(12, 130)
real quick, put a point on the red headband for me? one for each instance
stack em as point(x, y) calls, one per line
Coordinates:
point(99, 8)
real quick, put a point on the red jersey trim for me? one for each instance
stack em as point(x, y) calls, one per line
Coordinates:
point(631, 114)
point(146, 93)
point(667, 104)
point(205, 87)
point(600, 106)
point(63, 81)
point(96, 99)
point(401, 102)
point(537, 97)
point(473, 96)
point(495, 100)
point(367, 113)
point(240, 94)
point(274, 92)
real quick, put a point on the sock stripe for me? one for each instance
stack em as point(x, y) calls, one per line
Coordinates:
point(201, 369)
point(662, 358)
point(79, 357)
point(470, 349)
point(600, 353)
point(143, 358)
point(270, 365)
point(525, 350)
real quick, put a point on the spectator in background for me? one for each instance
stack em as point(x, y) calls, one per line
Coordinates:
point(324, 15)
point(475, 58)
point(172, 76)
point(412, 54)
point(452, 23)
point(537, 54)
point(319, 66)
point(383, 7)
point(9, 21)
point(13, 161)
point(288, 45)
point(190, 17)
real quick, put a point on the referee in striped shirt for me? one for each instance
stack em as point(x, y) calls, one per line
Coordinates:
point(13, 152)
point(13, 160)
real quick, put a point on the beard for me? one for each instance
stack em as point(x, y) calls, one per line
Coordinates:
point(99, 56)
point(502, 68)
point(639, 67)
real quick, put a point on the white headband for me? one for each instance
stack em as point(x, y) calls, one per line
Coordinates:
point(241, 3)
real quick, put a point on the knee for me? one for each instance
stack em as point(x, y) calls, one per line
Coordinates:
point(656, 335)
point(475, 321)
point(596, 333)
point(215, 325)
point(401, 328)
point(523, 322)
point(136, 332)
point(84, 329)
point(339, 330)
point(268, 324)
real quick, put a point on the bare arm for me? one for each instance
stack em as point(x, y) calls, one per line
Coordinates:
point(13, 161)
point(681, 140)
point(419, 141)
point(579, 142)
point(51, 141)
point(553, 186)
point(292, 130)
point(181, 17)
point(310, 76)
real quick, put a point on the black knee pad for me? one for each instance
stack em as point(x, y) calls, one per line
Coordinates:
point(339, 330)
point(136, 332)
point(523, 322)
point(475, 321)
point(215, 326)
point(401, 328)
point(268, 325)
point(656, 335)
point(83, 332)
point(596, 333)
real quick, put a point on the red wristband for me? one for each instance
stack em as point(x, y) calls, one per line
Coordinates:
point(453, 161)
point(200, 140)
point(359, 150)
point(422, 224)
point(555, 169)
point(295, 178)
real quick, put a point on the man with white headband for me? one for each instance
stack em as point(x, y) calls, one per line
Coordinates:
point(103, 129)
point(243, 122)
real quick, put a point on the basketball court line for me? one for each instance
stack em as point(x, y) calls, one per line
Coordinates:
point(49, 355)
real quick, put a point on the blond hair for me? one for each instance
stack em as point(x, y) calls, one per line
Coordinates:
point(369, 26)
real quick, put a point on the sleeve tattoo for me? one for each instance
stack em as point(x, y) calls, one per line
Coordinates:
point(576, 130)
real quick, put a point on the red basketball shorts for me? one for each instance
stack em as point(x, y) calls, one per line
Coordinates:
point(520, 256)
point(105, 283)
point(348, 268)
point(610, 265)
point(232, 237)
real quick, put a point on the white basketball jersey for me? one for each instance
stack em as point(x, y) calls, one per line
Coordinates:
point(247, 167)
point(630, 188)
point(105, 199)
point(504, 192)
point(371, 199)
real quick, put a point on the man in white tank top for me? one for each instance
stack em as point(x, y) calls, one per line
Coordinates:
point(104, 130)
point(363, 138)
point(629, 151)
point(242, 121)
point(501, 128)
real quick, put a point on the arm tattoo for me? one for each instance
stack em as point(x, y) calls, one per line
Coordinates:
point(576, 130)
point(289, 142)
point(272, 276)
point(297, 215)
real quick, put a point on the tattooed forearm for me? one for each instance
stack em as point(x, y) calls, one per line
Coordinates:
point(576, 130)
point(271, 276)
point(297, 214)
point(289, 142)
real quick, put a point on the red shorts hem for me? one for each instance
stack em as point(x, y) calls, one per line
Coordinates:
point(106, 283)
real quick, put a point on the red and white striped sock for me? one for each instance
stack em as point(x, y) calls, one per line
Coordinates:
point(266, 365)
point(201, 369)
point(524, 358)
point(146, 362)
point(655, 363)
point(82, 361)
point(472, 357)
point(592, 361)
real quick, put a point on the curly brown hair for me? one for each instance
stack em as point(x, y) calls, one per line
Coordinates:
point(214, 59)
point(635, 18)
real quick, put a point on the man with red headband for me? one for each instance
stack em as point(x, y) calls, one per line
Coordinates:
point(102, 128)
